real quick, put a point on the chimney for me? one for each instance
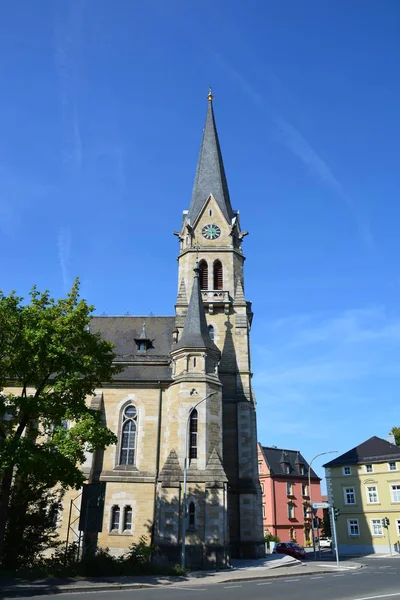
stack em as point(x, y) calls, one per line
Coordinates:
point(390, 438)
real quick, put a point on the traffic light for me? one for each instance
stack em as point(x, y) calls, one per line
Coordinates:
point(385, 522)
point(336, 513)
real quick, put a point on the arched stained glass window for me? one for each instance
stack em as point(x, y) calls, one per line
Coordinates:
point(193, 435)
point(203, 275)
point(128, 518)
point(218, 276)
point(115, 515)
point(128, 436)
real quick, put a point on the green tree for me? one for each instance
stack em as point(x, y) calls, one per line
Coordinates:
point(396, 433)
point(52, 363)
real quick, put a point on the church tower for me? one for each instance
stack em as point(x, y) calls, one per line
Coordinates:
point(211, 243)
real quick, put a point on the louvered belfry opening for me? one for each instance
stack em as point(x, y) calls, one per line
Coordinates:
point(203, 275)
point(218, 276)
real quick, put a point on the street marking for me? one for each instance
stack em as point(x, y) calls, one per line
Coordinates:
point(184, 588)
point(319, 577)
point(381, 596)
point(228, 587)
point(338, 575)
point(386, 567)
point(267, 583)
point(288, 580)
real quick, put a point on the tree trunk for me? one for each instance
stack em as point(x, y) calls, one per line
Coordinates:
point(5, 491)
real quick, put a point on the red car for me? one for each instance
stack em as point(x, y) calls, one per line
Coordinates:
point(290, 548)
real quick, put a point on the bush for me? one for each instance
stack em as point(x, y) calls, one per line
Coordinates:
point(270, 538)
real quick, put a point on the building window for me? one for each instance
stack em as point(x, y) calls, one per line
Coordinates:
point(193, 435)
point(302, 470)
point(128, 518)
point(305, 511)
point(290, 510)
point(192, 515)
point(203, 275)
point(304, 490)
point(289, 490)
point(349, 496)
point(372, 494)
point(398, 527)
point(262, 488)
point(353, 528)
point(263, 511)
point(211, 332)
point(115, 515)
point(128, 437)
point(286, 468)
point(218, 276)
point(369, 469)
point(376, 527)
point(395, 493)
point(392, 466)
point(194, 362)
point(346, 470)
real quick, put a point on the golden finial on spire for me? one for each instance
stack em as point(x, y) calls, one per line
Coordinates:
point(210, 96)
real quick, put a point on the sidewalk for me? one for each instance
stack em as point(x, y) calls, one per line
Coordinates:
point(269, 567)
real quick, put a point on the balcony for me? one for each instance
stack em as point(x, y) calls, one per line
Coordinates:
point(216, 298)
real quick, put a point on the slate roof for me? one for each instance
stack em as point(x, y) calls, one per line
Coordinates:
point(151, 365)
point(210, 173)
point(276, 457)
point(373, 450)
point(195, 330)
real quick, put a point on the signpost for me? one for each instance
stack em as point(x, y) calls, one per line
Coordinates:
point(320, 505)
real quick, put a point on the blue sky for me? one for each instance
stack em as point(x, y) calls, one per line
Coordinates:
point(101, 113)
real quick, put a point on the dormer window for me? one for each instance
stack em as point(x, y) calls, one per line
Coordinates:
point(143, 342)
point(286, 468)
point(302, 470)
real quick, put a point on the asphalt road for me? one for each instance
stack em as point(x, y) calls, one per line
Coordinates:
point(379, 579)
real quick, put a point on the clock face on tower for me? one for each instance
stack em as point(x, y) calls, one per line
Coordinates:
point(211, 232)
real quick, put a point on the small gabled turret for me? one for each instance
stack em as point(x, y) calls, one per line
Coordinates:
point(195, 333)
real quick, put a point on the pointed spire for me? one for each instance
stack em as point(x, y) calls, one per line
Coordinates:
point(195, 331)
point(210, 174)
point(239, 294)
point(143, 335)
point(182, 296)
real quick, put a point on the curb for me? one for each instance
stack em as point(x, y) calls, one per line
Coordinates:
point(13, 593)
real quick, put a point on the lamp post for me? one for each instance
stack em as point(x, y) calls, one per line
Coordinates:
point(183, 549)
point(309, 490)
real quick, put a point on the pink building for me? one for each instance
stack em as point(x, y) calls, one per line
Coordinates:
point(284, 476)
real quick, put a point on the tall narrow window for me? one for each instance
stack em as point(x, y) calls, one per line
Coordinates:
point(128, 518)
point(115, 514)
point(192, 515)
point(193, 435)
point(128, 437)
point(203, 275)
point(218, 276)
point(211, 332)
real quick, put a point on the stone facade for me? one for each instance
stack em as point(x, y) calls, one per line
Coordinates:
point(198, 358)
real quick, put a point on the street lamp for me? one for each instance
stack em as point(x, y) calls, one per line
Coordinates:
point(183, 549)
point(309, 490)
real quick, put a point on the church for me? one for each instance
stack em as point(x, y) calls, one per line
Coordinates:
point(185, 467)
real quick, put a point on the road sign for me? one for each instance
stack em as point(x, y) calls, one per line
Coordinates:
point(320, 505)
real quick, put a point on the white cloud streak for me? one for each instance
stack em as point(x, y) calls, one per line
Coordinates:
point(64, 255)
point(68, 42)
point(298, 145)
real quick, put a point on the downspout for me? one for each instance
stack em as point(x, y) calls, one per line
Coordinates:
point(157, 462)
point(274, 495)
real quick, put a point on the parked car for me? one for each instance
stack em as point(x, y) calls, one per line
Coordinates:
point(325, 542)
point(290, 548)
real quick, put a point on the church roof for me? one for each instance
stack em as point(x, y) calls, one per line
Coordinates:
point(210, 173)
point(153, 364)
point(195, 330)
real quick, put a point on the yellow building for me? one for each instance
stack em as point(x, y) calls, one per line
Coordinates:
point(364, 484)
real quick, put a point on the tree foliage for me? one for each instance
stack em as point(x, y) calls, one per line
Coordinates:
point(50, 362)
point(396, 433)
